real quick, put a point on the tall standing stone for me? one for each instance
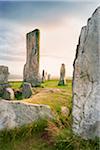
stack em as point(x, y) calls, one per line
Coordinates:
point(31, 68)
point(62, 75)
point(86, 80)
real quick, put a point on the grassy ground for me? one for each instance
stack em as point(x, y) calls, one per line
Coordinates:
point(48, 135)
point(53, 95)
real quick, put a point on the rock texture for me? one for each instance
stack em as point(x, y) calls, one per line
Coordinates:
point(26, 90)
point(15, 114)
point(86, 80)
point(31, 68)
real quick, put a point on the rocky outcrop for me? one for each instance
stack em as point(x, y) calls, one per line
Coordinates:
point(31, 68)
point(16, 114)
point(86, 80)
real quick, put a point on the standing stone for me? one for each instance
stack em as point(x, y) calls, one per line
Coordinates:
point(26, 90)
point(62, 75)
point(43, 76)
point(3, 74)
point(86, 80)
point(31, 68)
point(3, 78)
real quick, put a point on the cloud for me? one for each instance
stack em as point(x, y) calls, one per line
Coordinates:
point(59, 24)
point(12, 42)
point(43, 13)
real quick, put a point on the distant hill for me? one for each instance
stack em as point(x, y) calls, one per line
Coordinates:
point(15, 77)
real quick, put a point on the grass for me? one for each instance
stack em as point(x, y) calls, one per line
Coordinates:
point(15, 84)
point(53, 95)
point(25, 138)
point(53, 134)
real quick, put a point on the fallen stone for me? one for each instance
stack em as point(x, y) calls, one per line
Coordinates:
point(86, 80)
point(16, 114)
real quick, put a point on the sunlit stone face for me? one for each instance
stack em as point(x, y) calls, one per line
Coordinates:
point(86, 80)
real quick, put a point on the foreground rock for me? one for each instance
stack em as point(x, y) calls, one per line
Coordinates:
point(15, 114)
point(86, 80)
point(26, 90)
point(31, 68)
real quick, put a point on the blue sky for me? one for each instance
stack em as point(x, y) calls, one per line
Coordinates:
point(59, 23)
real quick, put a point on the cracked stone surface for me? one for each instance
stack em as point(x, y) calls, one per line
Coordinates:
point(86, 80)
point(31, 68)
point(16, 114)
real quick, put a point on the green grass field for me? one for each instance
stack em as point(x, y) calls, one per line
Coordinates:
point(53, 134)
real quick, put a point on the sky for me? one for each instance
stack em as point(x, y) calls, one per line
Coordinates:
point(59, 22)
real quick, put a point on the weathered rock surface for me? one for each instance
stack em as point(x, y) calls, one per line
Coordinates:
point(26, 90)
point(8, 94)
point(86, 80)
point(15, 114)
point(31, 68)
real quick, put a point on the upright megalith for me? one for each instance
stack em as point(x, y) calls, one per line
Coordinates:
point(4, 74)
point(3, 78)
point(31, 68)
point(62, 75)
point(86, 80)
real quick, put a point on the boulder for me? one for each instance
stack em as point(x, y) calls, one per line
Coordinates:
point(16, 113)
point(26, 90)
point(86, 80)
point(8, 94)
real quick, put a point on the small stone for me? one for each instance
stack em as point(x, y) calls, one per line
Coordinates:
point(8, 94)
point(26, 90)
point(64, 110)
